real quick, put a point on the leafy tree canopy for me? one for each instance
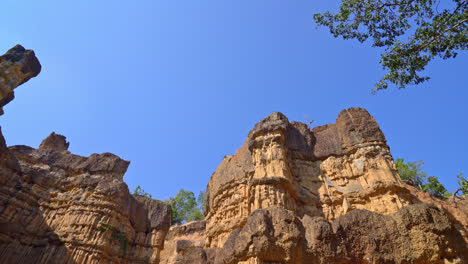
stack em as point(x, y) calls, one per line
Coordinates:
point(434, 187)
point(411, 172)
point(185, 207)
point(436, 32)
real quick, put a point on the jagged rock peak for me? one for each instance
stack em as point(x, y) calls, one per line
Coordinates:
point(272, 122)
point(27, 58)
point(17, 66)
point(55, 142)
point(354, 127)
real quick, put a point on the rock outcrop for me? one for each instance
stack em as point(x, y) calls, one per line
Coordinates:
point(17, 66)
point(55, 142)
point(181, 239)
point(330, 194)
point(327, 171)
point(289, 195)
point(56, 207)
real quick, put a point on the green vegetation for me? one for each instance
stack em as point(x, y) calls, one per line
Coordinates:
point(412, 173)
point(185, 208)
point(139, 191)
point(434, 187)
point(463, 184)
point(413, 32)
point(116, 235)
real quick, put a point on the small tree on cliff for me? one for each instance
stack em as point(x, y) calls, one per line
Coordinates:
point(139, 191)
point(437, 31)
point(463, 183)
point(411, 172)
point(434, 187)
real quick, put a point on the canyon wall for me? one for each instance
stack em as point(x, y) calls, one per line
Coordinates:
point(327, 172)
point(330, 194)
point(56, 207)
point(289, 195)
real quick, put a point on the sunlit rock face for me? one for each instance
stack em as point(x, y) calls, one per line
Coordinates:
point(182, 238)
point(56, 207)
point(330, 194)
point(17, 66)
point(327, 171)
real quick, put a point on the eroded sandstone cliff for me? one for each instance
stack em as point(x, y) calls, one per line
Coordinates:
point(290, 194)
point(56, 207)
point(330, 194)
point(327, 171)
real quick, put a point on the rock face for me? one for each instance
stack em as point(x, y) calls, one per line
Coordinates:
point(181, 239)
point(330, 194)
point(289, 195)
point(55, 142)
point(56, 207)
point(17, 66)
point(327, 171)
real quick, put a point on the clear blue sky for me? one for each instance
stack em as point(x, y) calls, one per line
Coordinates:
point(173, 86)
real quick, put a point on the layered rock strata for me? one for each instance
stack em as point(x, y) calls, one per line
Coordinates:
point(57, 207)
point(181, 239)
point(327, 171)
point(330, 194)
point(17, 66)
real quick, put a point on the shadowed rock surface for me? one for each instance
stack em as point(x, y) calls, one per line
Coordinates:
point(55, 142)
point(17, 66)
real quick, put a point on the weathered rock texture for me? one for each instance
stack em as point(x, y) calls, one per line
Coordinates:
point(56, 207)
point(327, 195)
point(182, 238)
point(17, 66)
point(55, 142)
point(327, 171)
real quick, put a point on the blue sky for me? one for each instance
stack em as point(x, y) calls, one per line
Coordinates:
point(173, 86)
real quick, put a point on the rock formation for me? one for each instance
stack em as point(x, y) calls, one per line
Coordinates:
point(182, 238)
point(327, 171)
point(327, 195)
point(290, 194)
point(56, 207)
point(55, 142)
point(17, 66)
